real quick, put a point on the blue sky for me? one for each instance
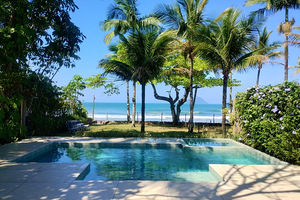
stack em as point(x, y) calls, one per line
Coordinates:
point(92, 12)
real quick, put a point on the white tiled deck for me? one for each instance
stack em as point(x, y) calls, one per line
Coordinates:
point(58, 180)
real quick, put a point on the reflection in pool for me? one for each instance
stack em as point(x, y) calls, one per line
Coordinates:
point(146, 162)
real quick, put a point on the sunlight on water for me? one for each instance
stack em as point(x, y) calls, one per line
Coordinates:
point(132, 162)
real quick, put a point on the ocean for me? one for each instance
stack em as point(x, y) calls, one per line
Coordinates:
point(210, 113)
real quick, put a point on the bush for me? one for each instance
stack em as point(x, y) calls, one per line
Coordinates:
point(41, 125)
point(10, 121)
point(270, 120)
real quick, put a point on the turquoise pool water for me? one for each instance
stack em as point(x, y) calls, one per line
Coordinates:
point(145, 162)
point(209, 143)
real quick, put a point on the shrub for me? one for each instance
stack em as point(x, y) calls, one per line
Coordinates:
point(10, 121)
point(270, 119)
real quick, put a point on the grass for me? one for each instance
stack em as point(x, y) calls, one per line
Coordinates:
point(151, 130)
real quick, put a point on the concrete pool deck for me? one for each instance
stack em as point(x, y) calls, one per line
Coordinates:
point(58, 180)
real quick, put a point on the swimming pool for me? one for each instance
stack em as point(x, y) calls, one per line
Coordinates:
point(125, 161)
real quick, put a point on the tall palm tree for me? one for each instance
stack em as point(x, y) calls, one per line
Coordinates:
point(225, 45)
point(118, 65)
point(274, 6)
point(123, 17)
point(185, 17)
point(147, 49)
point(265, 52)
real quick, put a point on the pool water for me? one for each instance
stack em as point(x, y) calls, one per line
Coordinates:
point(145, 162)
point(207, 143)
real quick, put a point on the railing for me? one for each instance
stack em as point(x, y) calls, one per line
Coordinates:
point(165, 118)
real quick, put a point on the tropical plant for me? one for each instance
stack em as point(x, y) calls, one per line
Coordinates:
point(273, 6)
point(265, 52)
point(175, 74)
point(118, 65)
point(269, 119)
point(45, 113)
point(123, 16)
point(185, 17)
point(226, 44)
point(71, 93)
point(147, 49)
point(34, 35)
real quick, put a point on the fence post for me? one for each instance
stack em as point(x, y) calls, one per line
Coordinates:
point(94, 107)
point(107, 116)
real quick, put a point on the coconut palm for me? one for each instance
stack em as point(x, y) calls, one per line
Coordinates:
point(123, 16)
point(185, 17)
point(264, 52)
point(274, 6)
point(225, 45)
point(147, 49)
point(117, 64)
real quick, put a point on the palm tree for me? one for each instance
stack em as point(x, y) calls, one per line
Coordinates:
point(147, 49)
point(185, 17)
point(274, 6)
point(117, 64)
point(264, 52)
point(225, 45)
point(123, 17)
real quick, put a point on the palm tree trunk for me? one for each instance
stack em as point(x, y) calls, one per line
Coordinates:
point(230, 93)
point(225, 79)
point(133, 103)
point(195, 96)
point(286, 49)
point(143, 108)
point(128, 105)
point(258, 74)
point(191, 121)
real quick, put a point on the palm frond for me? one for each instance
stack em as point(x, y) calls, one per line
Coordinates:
point(109, 37)
point(168, 15)
point(115, 12)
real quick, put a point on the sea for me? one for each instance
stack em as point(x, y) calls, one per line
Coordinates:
point(160, 112)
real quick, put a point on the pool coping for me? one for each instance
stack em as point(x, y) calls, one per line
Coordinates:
point(219, 170)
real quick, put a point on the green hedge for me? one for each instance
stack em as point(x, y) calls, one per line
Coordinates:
point(270, 120)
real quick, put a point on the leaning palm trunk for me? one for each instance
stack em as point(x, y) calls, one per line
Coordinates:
point(191, 121)
point(225, 80)
point(128, 105)
point(143, 108)
point(133, 103)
